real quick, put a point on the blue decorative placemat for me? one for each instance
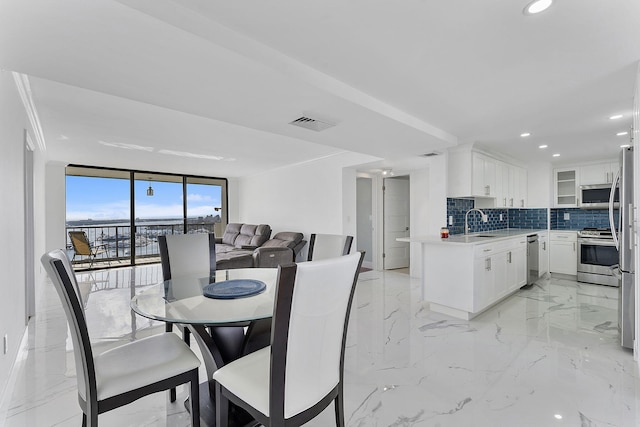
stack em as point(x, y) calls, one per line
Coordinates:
point(236, 288)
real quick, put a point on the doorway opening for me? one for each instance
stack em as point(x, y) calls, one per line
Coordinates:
point(396, 214)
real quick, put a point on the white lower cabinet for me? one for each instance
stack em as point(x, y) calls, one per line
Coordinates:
point(543, 254)
point(462, 280)
point(499, 269)
point(484, 277)
point(517, 264)
point(563, 252)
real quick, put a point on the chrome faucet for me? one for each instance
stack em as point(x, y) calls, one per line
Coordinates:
point(466, 219)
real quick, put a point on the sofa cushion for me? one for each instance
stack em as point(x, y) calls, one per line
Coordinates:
point(252, 235)
point(231, 232)
point(234, 259)
point(284, 239)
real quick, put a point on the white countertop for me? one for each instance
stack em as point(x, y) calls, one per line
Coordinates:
point(475, 238)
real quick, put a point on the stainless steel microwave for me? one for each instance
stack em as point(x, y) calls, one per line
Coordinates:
point(597, 196)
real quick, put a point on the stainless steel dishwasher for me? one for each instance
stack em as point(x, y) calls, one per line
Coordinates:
point(532, 259)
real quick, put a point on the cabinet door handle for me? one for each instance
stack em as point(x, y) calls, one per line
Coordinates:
point(487, 250)
point(511, 202)
point(574, 247)
point(522, 203)
point(544, 246)
point(509, 257)
point(487, 190)
point(631, 226)
point(504, 202)
point(487, 264)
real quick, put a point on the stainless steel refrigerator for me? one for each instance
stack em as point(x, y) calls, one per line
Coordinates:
point(624, 240)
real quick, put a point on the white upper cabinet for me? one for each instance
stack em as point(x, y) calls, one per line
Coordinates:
point(601, 173)
point(518, 189)
point(484, 176)
point(474, 174)
point(565, 188)
point(503, 189)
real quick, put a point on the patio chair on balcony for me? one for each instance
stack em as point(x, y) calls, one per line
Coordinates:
point(82, 247)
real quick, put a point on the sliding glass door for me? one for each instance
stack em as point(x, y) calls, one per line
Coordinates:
point(205, 206)
point(159, 209)
point(98, 204)
point(126, 211)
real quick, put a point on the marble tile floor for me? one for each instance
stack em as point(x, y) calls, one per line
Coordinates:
point(546, 356)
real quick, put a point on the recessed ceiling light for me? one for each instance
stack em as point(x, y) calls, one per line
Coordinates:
point(557, 416)
point(616, 117)
point(524, 135)
point(556, 155)
point(621, 133)
point(537, 6)
point(625, 145)
point(543, 146)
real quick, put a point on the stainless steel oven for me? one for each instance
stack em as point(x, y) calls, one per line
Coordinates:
point(597, 253)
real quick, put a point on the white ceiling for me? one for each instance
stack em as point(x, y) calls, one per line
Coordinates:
point(174, 79)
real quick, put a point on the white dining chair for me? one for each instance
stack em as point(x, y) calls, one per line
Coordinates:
point(126, 373)
point(323, 246)
point(301, 372)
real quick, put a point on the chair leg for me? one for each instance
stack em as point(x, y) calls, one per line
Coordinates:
point(194, 400)
point(91, 420)
point(168, 327)
point(339, 407)
point(186, 336)
point(222, 408)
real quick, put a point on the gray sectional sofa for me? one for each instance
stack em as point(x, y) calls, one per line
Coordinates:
point(249, 245)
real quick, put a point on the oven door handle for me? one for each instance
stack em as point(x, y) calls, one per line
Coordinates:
point(596, 242)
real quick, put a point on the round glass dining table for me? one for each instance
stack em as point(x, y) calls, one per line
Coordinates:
point(181, 300)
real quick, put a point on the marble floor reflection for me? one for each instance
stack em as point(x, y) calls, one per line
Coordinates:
point(546, 356)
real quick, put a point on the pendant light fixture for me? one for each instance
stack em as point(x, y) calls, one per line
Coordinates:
point(150, 191)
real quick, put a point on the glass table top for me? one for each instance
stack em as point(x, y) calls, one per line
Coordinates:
point(181, 299)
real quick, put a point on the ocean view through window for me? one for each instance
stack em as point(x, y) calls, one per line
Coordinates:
point(124, 211)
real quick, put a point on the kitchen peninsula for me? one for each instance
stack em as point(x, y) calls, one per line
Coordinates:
point(464, 275)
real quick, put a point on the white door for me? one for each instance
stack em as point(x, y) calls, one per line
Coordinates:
point(396, 222)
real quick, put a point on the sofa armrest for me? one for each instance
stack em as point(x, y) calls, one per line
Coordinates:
point(248, 247)
point(272, 257)
point(218, 240)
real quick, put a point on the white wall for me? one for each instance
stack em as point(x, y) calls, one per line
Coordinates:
point(312, 197)
point(55, 201)
point(539, 185)
point(428, 192)
point(13, 122)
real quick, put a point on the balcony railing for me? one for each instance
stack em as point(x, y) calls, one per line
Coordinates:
point(117, 240)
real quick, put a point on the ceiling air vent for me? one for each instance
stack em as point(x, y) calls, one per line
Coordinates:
point(431, 154)
point(313, 124)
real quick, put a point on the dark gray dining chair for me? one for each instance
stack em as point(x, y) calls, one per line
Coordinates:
point(301, 372)
point(126, 373)
point(323, 246)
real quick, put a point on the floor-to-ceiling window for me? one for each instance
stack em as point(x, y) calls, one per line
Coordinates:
point(122, 212)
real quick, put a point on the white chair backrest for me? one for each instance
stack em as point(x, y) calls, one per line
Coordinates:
point(321, 298)
point(67, 287)
point(189, 254)
point(327, 246)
